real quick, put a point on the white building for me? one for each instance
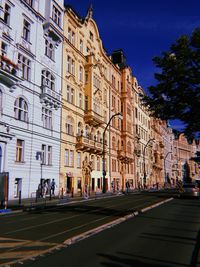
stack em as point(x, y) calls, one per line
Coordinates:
point(31, 38)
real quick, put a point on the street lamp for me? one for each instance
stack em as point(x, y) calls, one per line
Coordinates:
point(145, 175)
point(39, 156)
point(165, 165)
point(104, 163)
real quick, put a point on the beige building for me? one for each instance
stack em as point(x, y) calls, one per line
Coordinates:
point(91, 85)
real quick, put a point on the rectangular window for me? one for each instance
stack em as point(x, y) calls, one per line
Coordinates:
point(98, 164)
point(81, 46)
point(43, 159)
point(68, 93)
point(25, 65)
point(49, 158)
point(113, 165)
point(20, 150)
point(49, 50)
point(72, 96)
point(69, 35)
point(80, 73)
point(80, 100)
point(47, 118)
point(4, 48)
point(73, 67)
point(78, 159)
point(66, 161)
point(26, 30)
point(73, 38)
point(7, 12)
point(71, 158)
point(69, 64)
point(56, 16)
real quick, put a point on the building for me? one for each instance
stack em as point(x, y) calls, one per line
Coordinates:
point(31, 39)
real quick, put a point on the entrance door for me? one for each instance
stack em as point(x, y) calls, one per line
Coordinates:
point(3, 187)
point(1, 158)
point(69, 184)
point(93, 184)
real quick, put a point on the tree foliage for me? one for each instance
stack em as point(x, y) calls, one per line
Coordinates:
point(177, 92)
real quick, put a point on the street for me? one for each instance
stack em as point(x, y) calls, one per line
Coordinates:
point(29, 234)
point(167, 235)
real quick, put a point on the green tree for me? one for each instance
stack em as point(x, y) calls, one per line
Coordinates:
point(176, 94)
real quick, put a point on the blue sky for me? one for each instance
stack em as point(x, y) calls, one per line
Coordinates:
point(142, 28)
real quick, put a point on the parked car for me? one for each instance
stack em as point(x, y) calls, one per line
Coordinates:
point(190, 190)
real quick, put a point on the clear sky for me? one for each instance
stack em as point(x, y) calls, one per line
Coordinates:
point(142, 28)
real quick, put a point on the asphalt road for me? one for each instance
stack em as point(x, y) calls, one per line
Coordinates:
point(29, 234)
point(167, 235)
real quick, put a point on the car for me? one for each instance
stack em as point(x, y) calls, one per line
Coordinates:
point(190, 190)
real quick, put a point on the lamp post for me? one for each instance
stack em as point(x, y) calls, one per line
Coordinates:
point(145, 175)
point(39, 156)
point(165, 173)
point(104, 163)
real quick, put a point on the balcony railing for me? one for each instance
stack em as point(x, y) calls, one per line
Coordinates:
point(50, 97)
point(88, 145)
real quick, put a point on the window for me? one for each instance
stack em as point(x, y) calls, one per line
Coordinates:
point(70, 126)
point(47, 118)
point(129, 147)
point(70, 65)
point(81, 46)
point(25, 65)
point(20, 151)
point(49, 50)
point(4, 48)
point(56, 16)
point(26, 30)
point(43, 158)
point(49, 157)
point(80, 128)
point(80, 100)
point(7, 14)
point(73, 38)
point(21, 109)
point(78, 159)
point(66, 160)
point(48, 79)
point(69, 35)
point(113, 143)
point(80, 73)
point(69, 158)
point(113, 165)
point(70, 95)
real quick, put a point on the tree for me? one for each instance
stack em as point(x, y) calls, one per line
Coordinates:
point(177, 92)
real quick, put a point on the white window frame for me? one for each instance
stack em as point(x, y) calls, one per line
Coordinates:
point(21, 109)
point(20, 145)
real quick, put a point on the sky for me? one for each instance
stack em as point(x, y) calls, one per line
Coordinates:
point(142, 28)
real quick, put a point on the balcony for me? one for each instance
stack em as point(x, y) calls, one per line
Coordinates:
point(52, 30)
point(93, 118)
point(137, 152)
point(50, 98)
point(9, 73)
point(125, 156)
point(87, 145)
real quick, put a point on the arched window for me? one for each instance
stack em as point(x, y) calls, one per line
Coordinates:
point(48, 79)
point(21, 109)
point(113, 143)
point(80, 128)
point(129, 147)
point(70, 126)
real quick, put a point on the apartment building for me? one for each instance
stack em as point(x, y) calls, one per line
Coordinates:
point(30, 94)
